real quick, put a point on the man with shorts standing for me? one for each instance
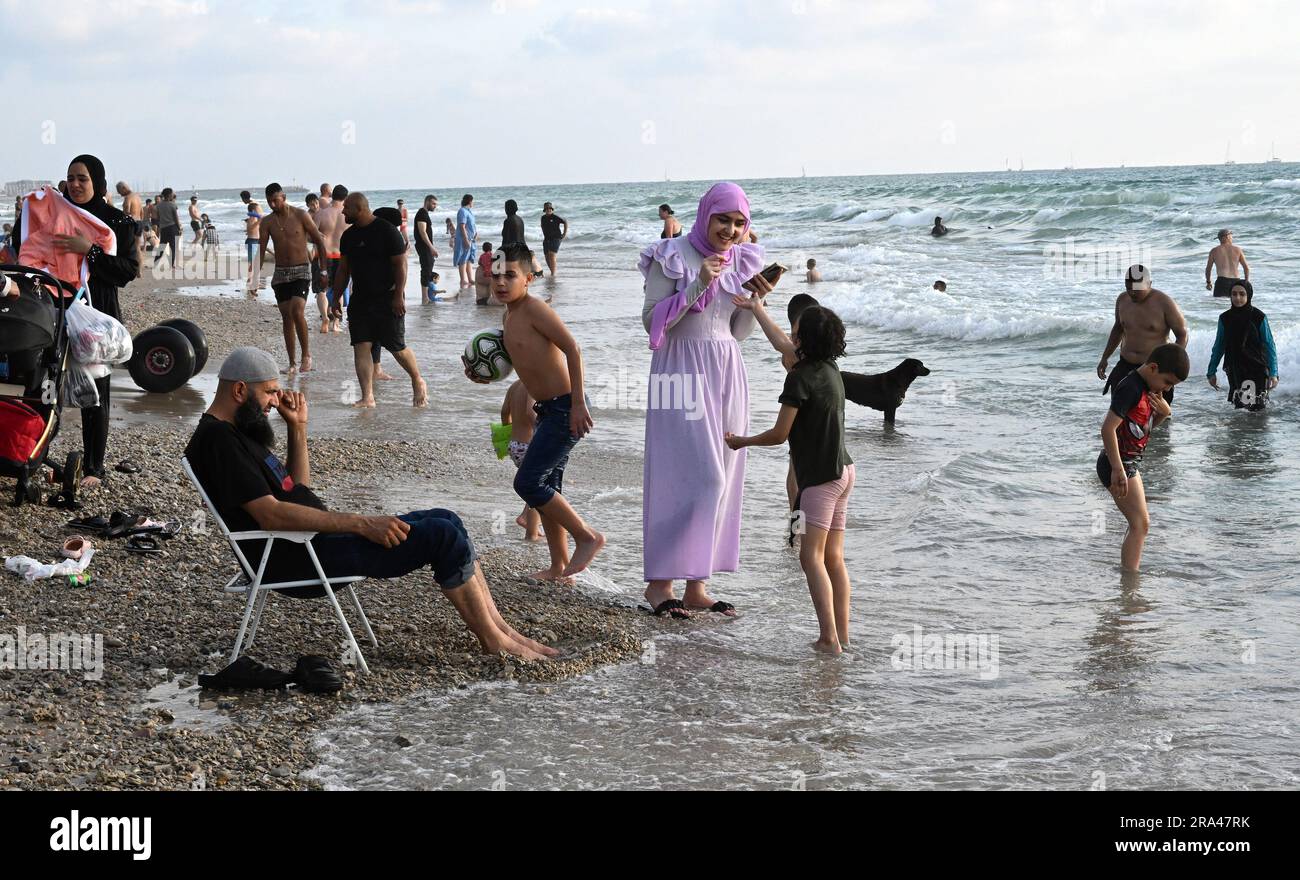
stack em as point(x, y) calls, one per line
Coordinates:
point(1144, 318)
point(132, 208)
point(554, 230)
point(290, 229)
point(374, 260)
point(196, 219)
point(1225, 258)
point(330, 222)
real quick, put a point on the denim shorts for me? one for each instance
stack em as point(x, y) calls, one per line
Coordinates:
point(541, 473)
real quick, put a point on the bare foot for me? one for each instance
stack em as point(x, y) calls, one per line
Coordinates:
point(324, 326)
point(338, 327)
point(90, 482)
point(292, 371)
point(510, 646)
point(528, 643)
point(419, 393)
point(826, 647)
point(380, 374)
point(550, 576)
point(584, 552)
point(365, 403)
point(306, 363)
point(520, 520)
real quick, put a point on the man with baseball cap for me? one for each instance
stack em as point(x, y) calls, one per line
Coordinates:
point(252, 489)
point(1225, 257)
point(1144, 318)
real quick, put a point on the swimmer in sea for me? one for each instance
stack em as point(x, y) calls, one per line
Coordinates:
point(813, 275)
point(939, 230)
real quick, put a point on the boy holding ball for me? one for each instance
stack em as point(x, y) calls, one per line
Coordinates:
point(549, 364)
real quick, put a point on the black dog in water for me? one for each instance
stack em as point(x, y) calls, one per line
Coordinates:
point(884, 391)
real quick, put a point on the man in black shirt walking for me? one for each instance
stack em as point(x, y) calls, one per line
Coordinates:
point(252, 489)
point(373, 256)
point(554, 230)
point(424, 248)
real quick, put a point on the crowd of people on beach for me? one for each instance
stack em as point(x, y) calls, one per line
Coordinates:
point(705, 291)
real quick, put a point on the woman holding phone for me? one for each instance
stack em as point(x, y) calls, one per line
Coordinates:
point(698, 391)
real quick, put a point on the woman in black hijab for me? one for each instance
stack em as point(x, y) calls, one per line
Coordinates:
point(1245, 343)
point(87, 187)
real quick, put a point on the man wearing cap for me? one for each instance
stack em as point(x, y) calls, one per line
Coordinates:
point(252, 489)
point(555, 229)
point(1144, 318)
point(1225, 257)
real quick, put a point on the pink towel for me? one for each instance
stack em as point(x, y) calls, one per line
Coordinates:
point(46, 213)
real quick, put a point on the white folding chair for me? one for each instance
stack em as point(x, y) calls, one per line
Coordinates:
point(257, 591)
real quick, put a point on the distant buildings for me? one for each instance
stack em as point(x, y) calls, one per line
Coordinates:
point(23, 187)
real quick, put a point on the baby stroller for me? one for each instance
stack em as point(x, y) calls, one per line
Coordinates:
point(33, 358)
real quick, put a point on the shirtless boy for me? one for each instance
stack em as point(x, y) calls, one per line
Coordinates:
point(549, 364)
point(1225, 258)
point(290, 229)
point(1144, 318)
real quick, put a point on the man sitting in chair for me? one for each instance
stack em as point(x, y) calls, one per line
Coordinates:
point(252, 490)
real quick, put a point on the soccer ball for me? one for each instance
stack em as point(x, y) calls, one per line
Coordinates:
point(486, 356)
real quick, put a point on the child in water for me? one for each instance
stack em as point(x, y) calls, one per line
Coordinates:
point(812, 419)
point(549, 364)
point(1137, 405)
point(1245, 343)
point(813, 275)
point(517, 412)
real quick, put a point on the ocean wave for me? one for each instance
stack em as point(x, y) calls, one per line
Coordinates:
point(923, 217)
point(936, 314)
point(1125, 197)
point(1282, 183)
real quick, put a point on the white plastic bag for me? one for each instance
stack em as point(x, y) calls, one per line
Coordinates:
point(96, 338)
point(79, 390)
point(34, 570)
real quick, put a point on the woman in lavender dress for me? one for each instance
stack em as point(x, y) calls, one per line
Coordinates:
point(698, 392)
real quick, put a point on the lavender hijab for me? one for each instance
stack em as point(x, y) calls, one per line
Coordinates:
point(722, 198)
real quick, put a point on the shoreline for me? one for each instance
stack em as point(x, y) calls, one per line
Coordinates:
point(164, 619)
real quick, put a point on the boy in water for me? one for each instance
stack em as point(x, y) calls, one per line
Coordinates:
point(1137, 405)
point(813, 275)
point(517, 412)
point(549, 364)
point(483, 276)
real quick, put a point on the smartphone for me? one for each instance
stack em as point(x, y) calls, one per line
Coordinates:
point(772, 273)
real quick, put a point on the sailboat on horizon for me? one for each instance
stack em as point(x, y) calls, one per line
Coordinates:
point(1070, 167)
point(1272, 155)
point(1227, 155)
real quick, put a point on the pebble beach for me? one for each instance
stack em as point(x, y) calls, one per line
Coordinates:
point(164, 619)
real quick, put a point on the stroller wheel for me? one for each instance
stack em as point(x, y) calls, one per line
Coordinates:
point(72, 476)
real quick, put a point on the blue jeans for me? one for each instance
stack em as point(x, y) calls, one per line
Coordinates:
point(541, 473)
point(437, 539)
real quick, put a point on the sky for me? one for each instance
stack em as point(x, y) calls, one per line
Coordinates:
point(423, 93)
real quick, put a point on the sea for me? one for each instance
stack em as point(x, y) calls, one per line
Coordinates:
point(996, 644)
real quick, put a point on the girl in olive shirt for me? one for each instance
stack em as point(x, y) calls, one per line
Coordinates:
point(812, 419)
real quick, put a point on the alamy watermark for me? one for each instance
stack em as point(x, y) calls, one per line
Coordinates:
point(1075, 261)
point(673, 391)
point(56, 652)
point(917, 650)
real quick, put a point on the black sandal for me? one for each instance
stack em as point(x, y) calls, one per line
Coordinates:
point(144, 544)
point(316, 675)
point(674, 608)
point(246, 674)
point(721, 608)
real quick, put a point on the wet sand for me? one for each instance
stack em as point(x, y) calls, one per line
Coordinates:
point(164, 619)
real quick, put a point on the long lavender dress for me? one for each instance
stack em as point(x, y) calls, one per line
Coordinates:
point(698, 390)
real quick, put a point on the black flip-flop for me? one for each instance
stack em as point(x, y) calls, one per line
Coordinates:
point(96, 524)
point(126, 466)
point(143, 544)
point(316, 675)
point(719, 608)
point(674, 608)
point(246, 674)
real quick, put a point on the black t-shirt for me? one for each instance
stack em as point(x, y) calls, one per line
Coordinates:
point(370, 250)
point(422, 216)
point(817, 436)
point(1128, 400)
point(234, 470)
point(512, 231)
point(551, 226)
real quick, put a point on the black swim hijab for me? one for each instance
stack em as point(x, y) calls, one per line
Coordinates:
point(99, 180)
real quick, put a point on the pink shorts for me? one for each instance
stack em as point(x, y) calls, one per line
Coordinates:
point(826, 505)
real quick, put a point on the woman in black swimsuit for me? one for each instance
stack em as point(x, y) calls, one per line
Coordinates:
point(672, 229)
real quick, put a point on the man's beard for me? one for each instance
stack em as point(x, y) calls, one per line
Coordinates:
point(253, 423)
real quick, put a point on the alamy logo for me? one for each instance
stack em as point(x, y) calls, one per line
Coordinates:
point(950, 651)
point(103, 834)
point(65, 652)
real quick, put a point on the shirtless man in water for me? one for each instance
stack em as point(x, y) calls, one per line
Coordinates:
point(132, 207)
point(331, 223)
point(1225, 258)
point(1144, 318)
point(289, 229)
